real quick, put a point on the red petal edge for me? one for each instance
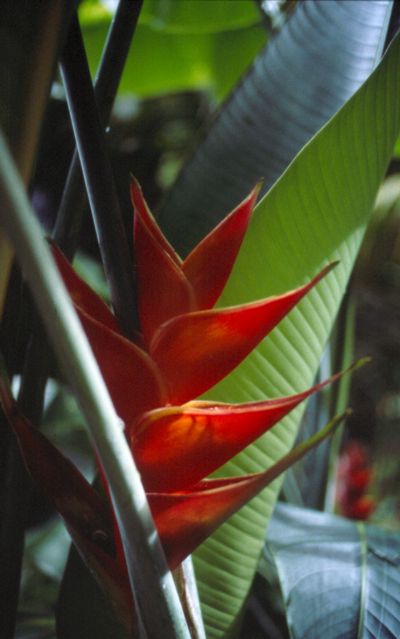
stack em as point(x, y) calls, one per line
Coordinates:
point(163, 289)
point(196, 350)
point(184, 520)
point(178, 446)
point(210, 263)
point(132, 378)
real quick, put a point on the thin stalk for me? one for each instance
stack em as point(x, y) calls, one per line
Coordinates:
point(74, 197)
point(73, 201)
point(99, 179)
point(151, 581)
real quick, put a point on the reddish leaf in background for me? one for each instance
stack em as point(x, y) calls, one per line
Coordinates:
point(86, 514)
point(353, 482)
point(197, 350)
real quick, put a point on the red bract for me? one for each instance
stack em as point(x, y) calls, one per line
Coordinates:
point(184, 349)
point(184, 518)
point(176, 447)
point(168, 286)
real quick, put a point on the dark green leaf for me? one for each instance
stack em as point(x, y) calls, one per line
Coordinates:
point(83, 610)
point(340, 579)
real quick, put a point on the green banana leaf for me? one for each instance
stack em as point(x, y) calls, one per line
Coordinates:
point(305, 74)
point(317, 211)
point(340, 579)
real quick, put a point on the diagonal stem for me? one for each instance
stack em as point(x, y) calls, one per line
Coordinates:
point(158, 601)
point(74, 198)
point(38, 357)
point(99, 179)
point(73, 201)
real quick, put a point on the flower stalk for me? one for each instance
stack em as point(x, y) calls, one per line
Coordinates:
point(98, 177)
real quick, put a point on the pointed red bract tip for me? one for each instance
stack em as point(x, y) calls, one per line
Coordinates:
point(210, 263)
point(143, 212)
point(163, 289)
point(197, 350)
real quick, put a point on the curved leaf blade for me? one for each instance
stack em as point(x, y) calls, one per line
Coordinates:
point(339, 579)
point(305, 74)
point(318, 210)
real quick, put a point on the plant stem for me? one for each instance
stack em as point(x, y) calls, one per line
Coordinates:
point(156, 594)
point(99, 179)
point(74, 197)
point(73, 201)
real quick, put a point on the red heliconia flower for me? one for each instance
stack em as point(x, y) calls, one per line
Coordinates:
point(353, 481)
point(185, 347)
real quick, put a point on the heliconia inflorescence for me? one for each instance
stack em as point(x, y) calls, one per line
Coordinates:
point(184, 347)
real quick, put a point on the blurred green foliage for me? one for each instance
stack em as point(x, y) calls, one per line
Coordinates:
point(180, 46)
